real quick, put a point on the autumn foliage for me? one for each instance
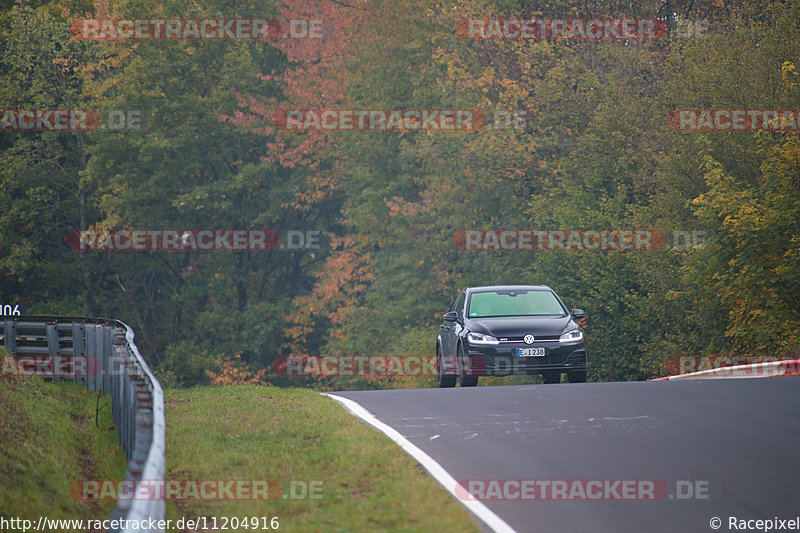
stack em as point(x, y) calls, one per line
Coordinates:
point(590, 148)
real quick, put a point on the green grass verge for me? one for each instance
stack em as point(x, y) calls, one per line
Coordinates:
point(256, 433)
point(48, 440)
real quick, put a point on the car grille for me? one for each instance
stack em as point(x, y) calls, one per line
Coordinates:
point(544, 338)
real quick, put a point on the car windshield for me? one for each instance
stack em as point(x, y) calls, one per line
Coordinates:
point(514, 303)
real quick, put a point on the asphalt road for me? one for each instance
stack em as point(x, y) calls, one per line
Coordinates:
point(738, 440)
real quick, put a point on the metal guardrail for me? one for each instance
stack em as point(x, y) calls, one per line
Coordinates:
point(137, 401)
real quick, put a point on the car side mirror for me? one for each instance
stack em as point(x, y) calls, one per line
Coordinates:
point(577, 314)
point(450, 316)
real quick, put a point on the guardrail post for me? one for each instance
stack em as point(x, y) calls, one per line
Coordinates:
point(108, 353)
point(9, 330)
point(100, 353)
point(53, 347)
point(91, 352)
point(79, 350)
point(118, 383)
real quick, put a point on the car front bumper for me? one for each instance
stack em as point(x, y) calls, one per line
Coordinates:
point(501, 360)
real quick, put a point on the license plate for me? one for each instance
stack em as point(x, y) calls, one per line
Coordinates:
point(530, 352)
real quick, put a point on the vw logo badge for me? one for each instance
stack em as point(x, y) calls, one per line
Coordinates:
point(528, 339)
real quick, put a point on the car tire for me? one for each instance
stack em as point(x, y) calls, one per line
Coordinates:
point(464, 381)
point(576, 376)
point(468, 381)
point(442, 381)
point(551, 376)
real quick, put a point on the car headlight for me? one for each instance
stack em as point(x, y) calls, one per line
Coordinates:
point(571, 337)
point(481, 338)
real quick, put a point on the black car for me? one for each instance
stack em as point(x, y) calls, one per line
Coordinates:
point(509, 330)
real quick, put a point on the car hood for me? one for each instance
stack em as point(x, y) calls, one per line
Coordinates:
point(520, 326)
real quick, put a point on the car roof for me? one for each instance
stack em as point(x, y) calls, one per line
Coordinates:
point(489, 288)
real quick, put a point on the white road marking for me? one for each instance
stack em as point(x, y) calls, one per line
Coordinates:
point(494, 522)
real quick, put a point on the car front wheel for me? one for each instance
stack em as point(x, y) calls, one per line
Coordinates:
point(464, 380)
point(442, 381)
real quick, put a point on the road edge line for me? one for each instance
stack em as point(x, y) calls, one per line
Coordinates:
point(437, 471)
